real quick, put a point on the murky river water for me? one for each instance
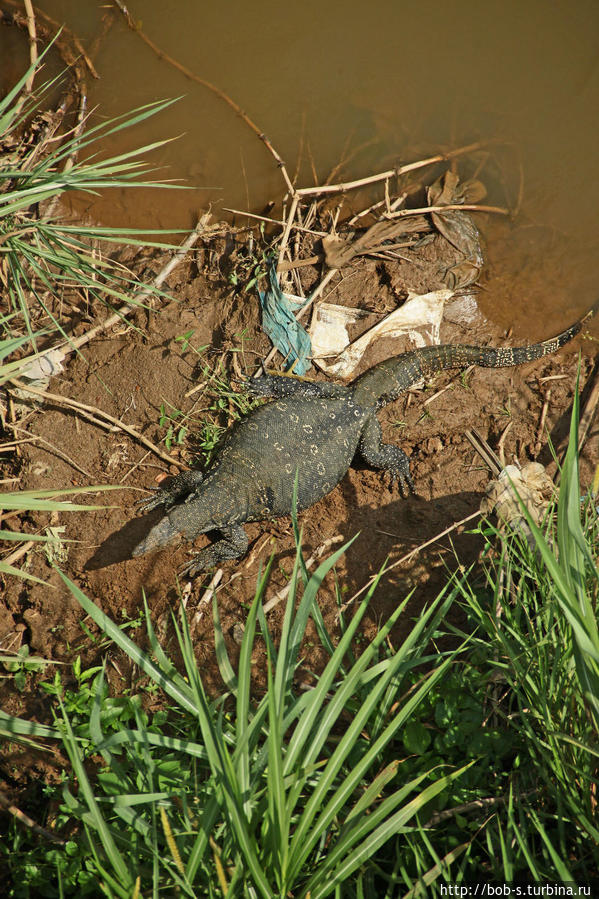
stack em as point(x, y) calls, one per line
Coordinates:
point(375, 83)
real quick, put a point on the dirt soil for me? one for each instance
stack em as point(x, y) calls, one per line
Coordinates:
point(133, 370)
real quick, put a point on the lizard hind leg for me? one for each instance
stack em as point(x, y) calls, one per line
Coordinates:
point(386, 456)
point(233, 545)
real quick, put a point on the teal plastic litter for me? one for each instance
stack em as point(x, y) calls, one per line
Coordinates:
point(279, 322)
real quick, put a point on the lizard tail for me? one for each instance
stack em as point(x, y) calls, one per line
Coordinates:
point(160, 535)
point(386, 381)
point(435, 358)
point(499, 357)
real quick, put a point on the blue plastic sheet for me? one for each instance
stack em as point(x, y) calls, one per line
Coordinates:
point(279, 322)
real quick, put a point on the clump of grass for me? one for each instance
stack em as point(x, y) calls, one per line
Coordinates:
point(538, 635)
point(44, 259)
point(293, 792)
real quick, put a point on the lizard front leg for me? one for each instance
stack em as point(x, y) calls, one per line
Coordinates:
point(182, 485)
point(233, 544)
point(385, 455)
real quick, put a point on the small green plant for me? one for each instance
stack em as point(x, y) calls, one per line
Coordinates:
point(20, 663)
point(222, 404)
point(252, 262)
point(465, 379)
point(175, 434)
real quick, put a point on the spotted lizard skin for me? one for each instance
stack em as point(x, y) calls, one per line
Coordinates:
point(312, 430)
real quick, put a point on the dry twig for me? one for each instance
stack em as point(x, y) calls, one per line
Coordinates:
point(392, 173)
point(408, 556)
point(484, 451)
point(211, 87)
point(541, 428)
point(98, 417)
point(60, 33)
point(31, 30)
point(27, 821)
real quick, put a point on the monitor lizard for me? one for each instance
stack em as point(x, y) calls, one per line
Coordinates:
point(311, 431)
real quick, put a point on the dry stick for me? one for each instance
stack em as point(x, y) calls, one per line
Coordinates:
point(6, 447)
point(66, 35)
point(27, 821)
point(541, 428)
point(484, 450)
point(447, 386)
point(18, 553)
point(32, 33)
point(300, 263)
point(287, 231)
point(450, 207)
point(408, 556)
point(206, 597)
point(211, 87)
point(133, 467)
point(391, 173)
point(501, 441)
point(32, 43)
point(265, 218)
point(283, 593)
point(397, 202)
point(91, 413)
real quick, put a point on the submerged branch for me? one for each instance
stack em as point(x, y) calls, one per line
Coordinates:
point(209, 86)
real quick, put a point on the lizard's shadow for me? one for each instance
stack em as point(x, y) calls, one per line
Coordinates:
point(404, 523)
point(390, 531)
point(119, 546)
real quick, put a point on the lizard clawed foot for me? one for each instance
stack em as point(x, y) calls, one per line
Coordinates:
point(202, 560)
point(147, 503)
point(403, 477)
point(180, 488)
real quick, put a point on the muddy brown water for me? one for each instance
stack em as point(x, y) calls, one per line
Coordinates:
point(371, 83)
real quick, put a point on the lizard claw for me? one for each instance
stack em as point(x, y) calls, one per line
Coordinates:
point(403, 477)
point(197, 564)
point(147, 503)
point(407, 486)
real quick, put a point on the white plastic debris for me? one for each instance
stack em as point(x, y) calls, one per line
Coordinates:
point(530, 485)
point(328, 331)
point(422, 313)
point(43, 367)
